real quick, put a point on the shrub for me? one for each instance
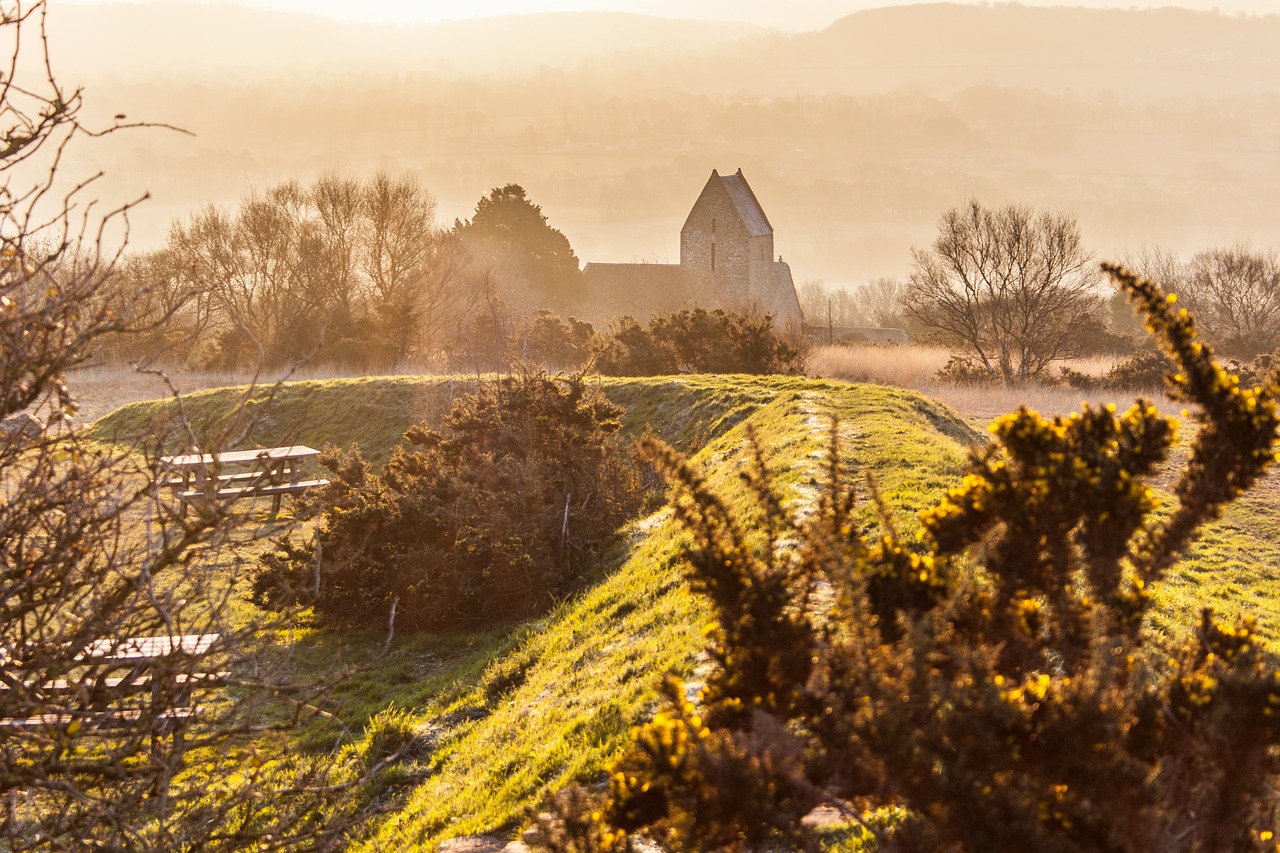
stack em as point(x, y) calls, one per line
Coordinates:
point(1079, 380)
point(996, 679)
point(1257, 370)
point(494, 518)
point(631, 349)
point(698, 341)
point(556, 343)
point(964, 371)
point(1142, 370)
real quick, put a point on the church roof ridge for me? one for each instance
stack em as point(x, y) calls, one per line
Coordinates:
point(746, 203)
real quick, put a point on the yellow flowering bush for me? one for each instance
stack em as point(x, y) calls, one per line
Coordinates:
point(996, 681)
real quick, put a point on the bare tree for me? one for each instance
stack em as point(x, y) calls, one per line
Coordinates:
point(207, 258)
point(813, 302)
point(332, 290)
point(352, 272)
point(95, 563)
point(337, 204)
point(1235, 295)
point(1233, 291)
point(1153, 262)
point(883, 302)
point(1014, 290)
point(1159, 264)
point(823, 307)
point(265, 296)
point(160, 308)
point(267, 272)
point(411, 266)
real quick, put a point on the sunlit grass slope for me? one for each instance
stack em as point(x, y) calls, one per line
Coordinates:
point(587, 673)
point(372, 413)
point(506, 716)
point(512, 716)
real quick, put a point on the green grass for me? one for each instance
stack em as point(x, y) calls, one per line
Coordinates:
point(1234, 567)
point(503, 717)
point(371, 413)
point(561, 704)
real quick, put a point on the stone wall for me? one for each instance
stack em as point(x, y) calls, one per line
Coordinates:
point(715, 249)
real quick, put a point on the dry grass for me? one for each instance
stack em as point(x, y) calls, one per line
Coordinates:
point(916, 367)
point(906, 367)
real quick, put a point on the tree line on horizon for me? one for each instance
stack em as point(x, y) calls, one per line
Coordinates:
point(358, 274)
point(346, 272)
point(1014, 292)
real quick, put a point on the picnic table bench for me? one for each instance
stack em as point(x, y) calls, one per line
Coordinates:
point(271, 472)
point(119, 682)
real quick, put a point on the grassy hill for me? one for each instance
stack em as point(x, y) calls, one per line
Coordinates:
point(494, 721)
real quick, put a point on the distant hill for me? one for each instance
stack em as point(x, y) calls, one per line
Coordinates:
point(939, 47)
point(134, 41)
point(944, 48)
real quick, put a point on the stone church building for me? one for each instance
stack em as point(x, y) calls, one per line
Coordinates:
point(726, 261)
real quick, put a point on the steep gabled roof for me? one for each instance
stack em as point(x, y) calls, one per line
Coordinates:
point(745, 201)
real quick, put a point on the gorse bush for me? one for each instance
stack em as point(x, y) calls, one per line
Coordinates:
point(698, 341)
point(557, 343)
point(996, 681)
point(493, 518)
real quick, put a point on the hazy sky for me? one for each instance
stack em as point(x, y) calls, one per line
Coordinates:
point(796, 14)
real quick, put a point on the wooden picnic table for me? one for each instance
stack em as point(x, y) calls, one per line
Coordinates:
point(271, 472)
point(144, 650)
point(134, 656)
point(111, 671)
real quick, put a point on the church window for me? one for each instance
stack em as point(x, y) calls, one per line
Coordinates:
point(713, 257)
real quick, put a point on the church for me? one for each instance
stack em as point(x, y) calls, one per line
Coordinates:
point(726, 261)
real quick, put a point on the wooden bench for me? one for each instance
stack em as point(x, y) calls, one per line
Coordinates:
point(166, 723)
point(273, 472)
point(121, 682)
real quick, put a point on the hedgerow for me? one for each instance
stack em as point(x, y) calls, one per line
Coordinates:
point(695, 340)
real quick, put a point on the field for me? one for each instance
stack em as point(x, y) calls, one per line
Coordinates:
point(496, 720)
point(916, 367)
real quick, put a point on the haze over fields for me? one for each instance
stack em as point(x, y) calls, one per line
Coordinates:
point(1153, 126)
